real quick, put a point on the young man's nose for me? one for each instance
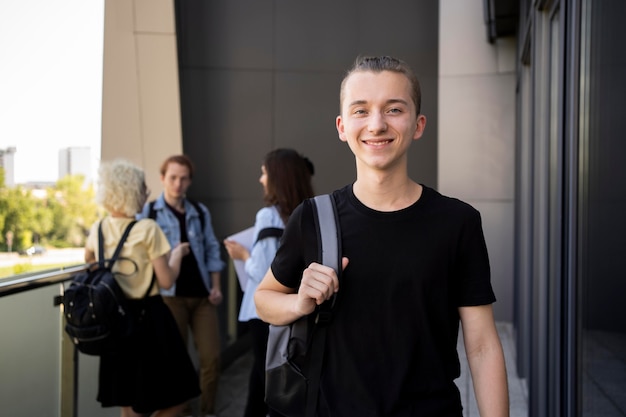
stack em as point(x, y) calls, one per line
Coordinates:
point(377, 123)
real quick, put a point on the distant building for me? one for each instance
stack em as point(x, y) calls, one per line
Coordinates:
point(38, 189)
point(7, 162)
point(74, 161)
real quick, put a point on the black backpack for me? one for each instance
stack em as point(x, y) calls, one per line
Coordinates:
point(295, 352)
point(95, 307)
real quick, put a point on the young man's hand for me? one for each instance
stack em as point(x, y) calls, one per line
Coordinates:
point(319, 283)
point(215, 296)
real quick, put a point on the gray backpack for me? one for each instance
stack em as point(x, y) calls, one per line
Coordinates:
point(295, 352)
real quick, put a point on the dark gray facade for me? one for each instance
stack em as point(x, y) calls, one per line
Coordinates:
point(257, 75)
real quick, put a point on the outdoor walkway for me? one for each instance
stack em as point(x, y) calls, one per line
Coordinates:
point(231, 397)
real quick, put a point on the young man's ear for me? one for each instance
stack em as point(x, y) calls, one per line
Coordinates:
point(420, 125)
point(340, 129)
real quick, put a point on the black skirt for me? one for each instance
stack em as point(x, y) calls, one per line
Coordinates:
point(153, 370)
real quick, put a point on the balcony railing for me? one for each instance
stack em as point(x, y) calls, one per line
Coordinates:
point(39, 361)
point(41, 372)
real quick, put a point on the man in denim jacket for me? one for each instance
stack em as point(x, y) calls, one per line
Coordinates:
point(197, 292)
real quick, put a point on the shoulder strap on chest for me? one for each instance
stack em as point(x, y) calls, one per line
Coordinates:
point(276, 232)
point(151, 210)
point(200, 212)
point(109, 262)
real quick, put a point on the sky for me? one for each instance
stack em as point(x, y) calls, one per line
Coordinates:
point(50, 82)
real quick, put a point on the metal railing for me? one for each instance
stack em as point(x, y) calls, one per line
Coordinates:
point(67, 364)
point(28, 329)
point(27, 282)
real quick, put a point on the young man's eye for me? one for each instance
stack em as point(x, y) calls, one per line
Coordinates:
point(358, 111)
point(395, 110)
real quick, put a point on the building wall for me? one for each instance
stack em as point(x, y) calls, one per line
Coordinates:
point(75, 160)
point(7, 162)
point(476, 143)
point(256, 75)
point(140, 100)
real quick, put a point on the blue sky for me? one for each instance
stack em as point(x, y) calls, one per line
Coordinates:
point(50, 81)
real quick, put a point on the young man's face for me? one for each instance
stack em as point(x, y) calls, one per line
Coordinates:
point(175, 181)
point(378, 118)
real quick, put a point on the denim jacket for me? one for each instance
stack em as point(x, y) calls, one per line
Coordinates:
point(203, 244)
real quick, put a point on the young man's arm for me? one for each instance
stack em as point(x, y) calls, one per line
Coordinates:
point(215, 296)
point(212, 255)
point(486, 360)
point(280, 305)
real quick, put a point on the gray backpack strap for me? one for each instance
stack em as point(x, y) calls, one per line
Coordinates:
point(330, 243)
point(329, 234)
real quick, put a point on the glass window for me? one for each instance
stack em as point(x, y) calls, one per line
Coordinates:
point(602, 245)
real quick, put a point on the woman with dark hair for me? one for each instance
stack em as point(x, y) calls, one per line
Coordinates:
point(286, 179)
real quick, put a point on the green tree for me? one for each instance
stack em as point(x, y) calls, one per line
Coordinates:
point(62, 218)
point(18, 213)
point(72, 211)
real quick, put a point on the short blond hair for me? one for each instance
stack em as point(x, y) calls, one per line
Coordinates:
point(121, 187)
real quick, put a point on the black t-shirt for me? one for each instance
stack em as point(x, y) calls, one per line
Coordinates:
point(189, 282)
point(391, 348)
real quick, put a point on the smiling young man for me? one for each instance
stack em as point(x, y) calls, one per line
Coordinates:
point(415, 266)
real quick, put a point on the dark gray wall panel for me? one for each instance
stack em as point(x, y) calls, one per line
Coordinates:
point(423, 153)
point(225, 34)
point(316, 36)
point(408, 30)
point(307, 105)
point(227, 130)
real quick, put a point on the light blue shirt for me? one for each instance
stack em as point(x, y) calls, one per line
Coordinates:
point(260, 259)
point(202, 243)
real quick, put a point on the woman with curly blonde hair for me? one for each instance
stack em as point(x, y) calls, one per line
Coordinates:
point(152, 371)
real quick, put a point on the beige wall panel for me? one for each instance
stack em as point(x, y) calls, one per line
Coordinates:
point(141, 106)
point(156, 16)
point(463, 46)
point(497, 217)
point(477, 137)
point(121, 130)
point(159, 102)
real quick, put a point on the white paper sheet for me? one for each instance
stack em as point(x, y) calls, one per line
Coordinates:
point(245, 238)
